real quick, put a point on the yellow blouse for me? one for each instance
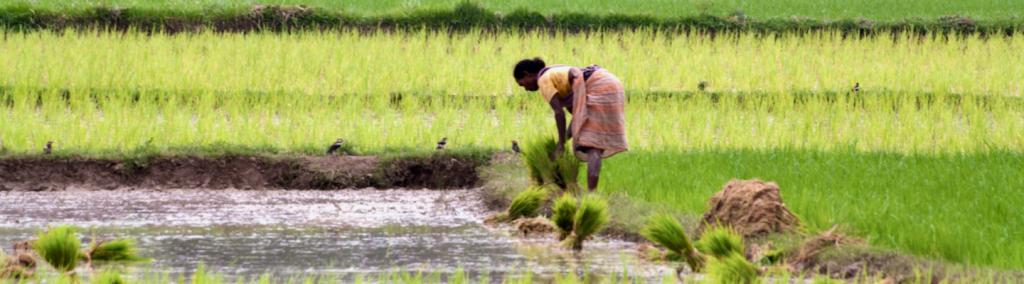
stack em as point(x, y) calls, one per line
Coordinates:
point(555, 82)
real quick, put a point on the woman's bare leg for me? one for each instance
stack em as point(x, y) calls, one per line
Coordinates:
point(593, 167)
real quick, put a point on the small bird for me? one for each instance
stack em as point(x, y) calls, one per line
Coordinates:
point(334, 147)
point(856, 87)
point(442, 143)
point(702, 85)
point(48, 148)
point(515, 147)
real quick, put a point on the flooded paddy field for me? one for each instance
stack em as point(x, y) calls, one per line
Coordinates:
point(294, 233)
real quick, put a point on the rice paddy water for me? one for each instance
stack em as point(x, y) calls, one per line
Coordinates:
point(322, 233)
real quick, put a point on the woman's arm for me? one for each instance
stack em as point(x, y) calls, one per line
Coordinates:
point(559, 109)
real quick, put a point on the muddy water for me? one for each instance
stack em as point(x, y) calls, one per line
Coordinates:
point(245, 233)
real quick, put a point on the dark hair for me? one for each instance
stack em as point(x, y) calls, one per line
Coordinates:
point(527, 66)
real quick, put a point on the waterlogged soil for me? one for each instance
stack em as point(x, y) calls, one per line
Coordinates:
point(347, 232)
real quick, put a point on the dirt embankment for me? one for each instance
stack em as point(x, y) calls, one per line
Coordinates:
point(248, 172)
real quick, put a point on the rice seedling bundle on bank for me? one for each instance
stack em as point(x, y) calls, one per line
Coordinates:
point(61, 249)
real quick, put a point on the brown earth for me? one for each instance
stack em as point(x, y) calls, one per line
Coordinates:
point(241, 172)
point(752, 207)
point(845, 258)
point(534, 226)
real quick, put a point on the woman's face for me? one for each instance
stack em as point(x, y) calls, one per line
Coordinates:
point(528, 82)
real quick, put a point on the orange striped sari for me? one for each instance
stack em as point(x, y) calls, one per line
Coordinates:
point(598, 118)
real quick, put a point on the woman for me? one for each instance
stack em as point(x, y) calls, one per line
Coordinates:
point(593, 96)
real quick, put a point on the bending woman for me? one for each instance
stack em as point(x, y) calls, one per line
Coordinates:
point(596, 100)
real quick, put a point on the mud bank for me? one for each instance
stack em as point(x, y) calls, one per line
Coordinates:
point(240, 172)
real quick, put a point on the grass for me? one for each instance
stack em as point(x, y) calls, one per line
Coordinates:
point(385, 64)
point(956, 207)
point(872, 9)
point(115, 124)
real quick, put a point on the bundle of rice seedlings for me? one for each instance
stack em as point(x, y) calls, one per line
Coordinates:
point(525, 205)
point(537, 155)
point(720, 241)
point(563, 214)
point(732, 269)
point(667, 232)
point(59, 247)
point(591, 217)
point(563, 171)
point(728, 264)
point(567, 171)
point(119, 250)
point(108, 277)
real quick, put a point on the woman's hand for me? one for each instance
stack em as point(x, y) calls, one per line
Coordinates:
point(559, 149)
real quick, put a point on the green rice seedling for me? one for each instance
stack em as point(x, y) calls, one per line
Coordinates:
point(666, 231)
point(59, 247)
point(108, 277)
point(591, 218)
point(562, 171)
point(537, 156)
point(825, 280)
point(732, 269)
point(307, 63)
point(720, 241)
point(119, 250)
point(201, 276)
point(526, 204)
point(567, 167)
point(563, 214)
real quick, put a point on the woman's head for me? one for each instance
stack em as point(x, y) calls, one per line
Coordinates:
point(526, 73)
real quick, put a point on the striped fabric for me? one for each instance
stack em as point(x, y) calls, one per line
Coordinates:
point(599, 120)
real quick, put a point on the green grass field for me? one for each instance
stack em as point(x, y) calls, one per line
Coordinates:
point(818, 9)
point(926, 159)
point(960, 207)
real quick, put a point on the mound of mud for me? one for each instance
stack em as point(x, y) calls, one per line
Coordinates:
point(240, 172)
point(752, 207)
point(537, 226)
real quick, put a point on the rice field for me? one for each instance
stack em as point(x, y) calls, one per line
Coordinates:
point(925, 158)
point(871, 9)
point(113, 92)
point(430, 63)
